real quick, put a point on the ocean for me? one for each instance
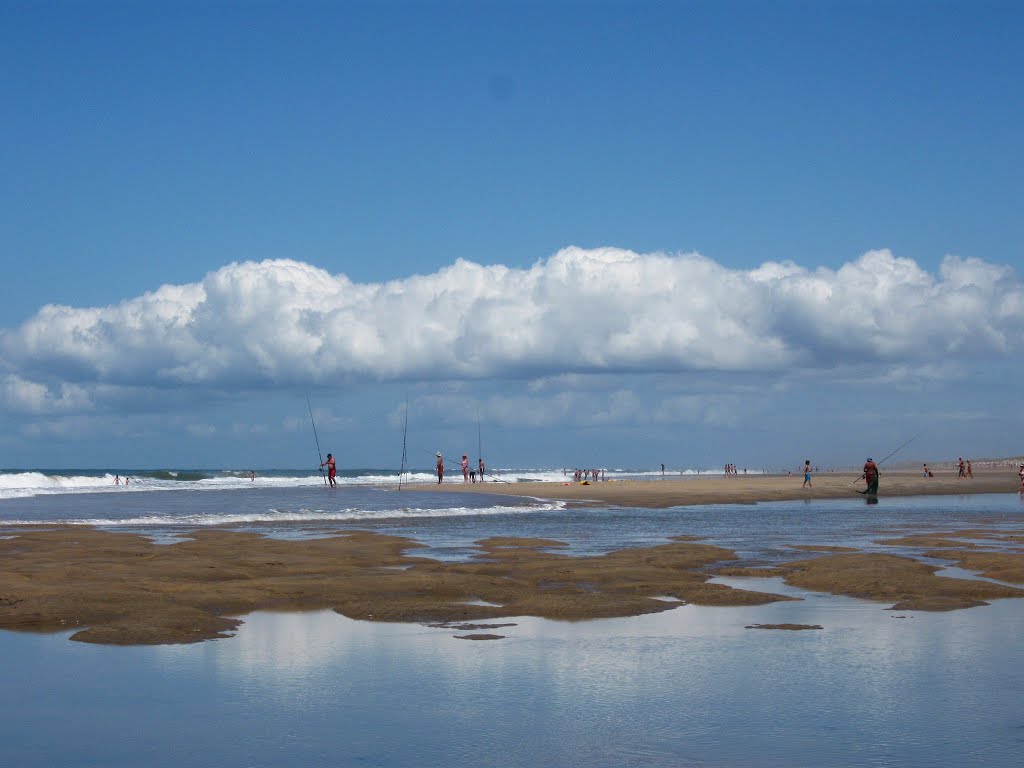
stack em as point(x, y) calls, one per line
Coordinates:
point(692, 686)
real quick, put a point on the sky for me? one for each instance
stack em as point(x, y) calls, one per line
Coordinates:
point(612, 234)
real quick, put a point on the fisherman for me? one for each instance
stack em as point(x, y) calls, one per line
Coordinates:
point(440, 467)
point(480, 468)
point(870, 477)
point(332, 469)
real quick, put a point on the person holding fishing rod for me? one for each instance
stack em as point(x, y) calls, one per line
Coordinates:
point(332, 470)
point(870, 476)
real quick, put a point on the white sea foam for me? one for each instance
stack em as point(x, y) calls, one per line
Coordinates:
point(298, 516)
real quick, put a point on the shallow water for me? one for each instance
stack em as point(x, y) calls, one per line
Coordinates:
point(687, 687)
point(690, 686)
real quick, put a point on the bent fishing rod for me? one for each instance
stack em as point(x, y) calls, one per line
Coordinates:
point(315, 437)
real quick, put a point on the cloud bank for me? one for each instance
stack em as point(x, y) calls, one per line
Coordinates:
point(606, 310)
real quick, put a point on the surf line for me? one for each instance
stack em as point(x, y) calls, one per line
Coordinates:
point(319, 455)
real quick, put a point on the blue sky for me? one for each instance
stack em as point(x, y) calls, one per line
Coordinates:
point(798, 226)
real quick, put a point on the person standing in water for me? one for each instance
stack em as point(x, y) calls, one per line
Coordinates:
point(440, 467)
point(480, 468)
point(332, 469)
point(870, 477)
point(807, 474)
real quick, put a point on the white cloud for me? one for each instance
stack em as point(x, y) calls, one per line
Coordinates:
point(579, 312)
point(34, 397)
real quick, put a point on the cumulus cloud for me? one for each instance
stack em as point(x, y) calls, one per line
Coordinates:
point(579, 312)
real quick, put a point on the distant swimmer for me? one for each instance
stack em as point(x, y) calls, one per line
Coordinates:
point(440, 467)
point(870, 477)
point(807, 474)
point(117, 479)
point(465, 469)
point(332, 470)
point(126, 479)
point(252, 475)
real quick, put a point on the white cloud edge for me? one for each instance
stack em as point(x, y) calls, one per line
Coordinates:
point(580, 312)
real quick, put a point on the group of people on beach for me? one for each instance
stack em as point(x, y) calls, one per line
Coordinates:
point(587, 475)
point(732, 469)
point(964, 469)
point(468, 473)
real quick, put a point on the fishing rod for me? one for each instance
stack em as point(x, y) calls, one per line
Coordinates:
point(904, 445)
point(405, 431)
point(898, 449)
point(315, 437)
point(493, 478)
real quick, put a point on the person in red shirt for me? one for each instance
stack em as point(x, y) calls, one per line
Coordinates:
point(870, 477)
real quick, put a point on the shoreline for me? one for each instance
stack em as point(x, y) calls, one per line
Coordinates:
point(737, 489)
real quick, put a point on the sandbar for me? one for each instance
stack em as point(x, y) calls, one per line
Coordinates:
point(676, 491)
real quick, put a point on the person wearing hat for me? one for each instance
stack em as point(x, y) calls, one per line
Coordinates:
point(440, 467)
point(870, 477)
point(332, 469)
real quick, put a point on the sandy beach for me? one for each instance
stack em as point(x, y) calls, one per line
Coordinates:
point(676, 491)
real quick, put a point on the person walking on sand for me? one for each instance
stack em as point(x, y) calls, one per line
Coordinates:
point(440, 467)
point(465, 469)
point(960, 466)
point(870, 477)
point(970, 472)
point(332, 469)
point(807, 475)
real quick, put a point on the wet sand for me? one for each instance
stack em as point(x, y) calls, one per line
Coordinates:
point(122, 588)
point(676, 491)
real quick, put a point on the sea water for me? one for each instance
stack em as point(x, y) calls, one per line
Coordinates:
point(688, 687)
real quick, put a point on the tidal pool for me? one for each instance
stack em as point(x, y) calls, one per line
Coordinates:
point(689, 687)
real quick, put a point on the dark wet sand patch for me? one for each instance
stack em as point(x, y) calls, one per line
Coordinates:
point(1001, 566)
point(791, 627)
point(907, 583)
point(122, 588)
point(821, 548)
point(479, 637)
